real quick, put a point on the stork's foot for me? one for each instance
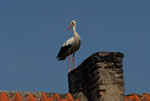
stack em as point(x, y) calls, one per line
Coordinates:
point(71, 70)
point(73, 67)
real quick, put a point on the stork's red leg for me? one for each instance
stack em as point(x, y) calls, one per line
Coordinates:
point(73, 60)
point(69, 62)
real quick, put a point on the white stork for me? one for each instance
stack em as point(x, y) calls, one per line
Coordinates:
point(70, 46)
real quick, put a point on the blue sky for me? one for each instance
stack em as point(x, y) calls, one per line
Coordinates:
point(32, 32)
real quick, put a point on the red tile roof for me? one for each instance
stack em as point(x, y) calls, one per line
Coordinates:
point(135, 97)
point(30, 97)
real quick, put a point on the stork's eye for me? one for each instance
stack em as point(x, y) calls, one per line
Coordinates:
point(72, 22)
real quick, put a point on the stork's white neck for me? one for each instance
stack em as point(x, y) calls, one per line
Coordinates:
point(74, 29)
point(75, 34)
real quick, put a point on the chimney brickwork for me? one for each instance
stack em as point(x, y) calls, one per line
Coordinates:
point(99, 77)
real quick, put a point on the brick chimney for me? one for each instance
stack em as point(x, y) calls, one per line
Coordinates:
point(98, 78)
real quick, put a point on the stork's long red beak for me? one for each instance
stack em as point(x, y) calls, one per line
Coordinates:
point(69, 27)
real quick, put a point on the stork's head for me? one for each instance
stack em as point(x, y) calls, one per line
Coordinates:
point(73, 22)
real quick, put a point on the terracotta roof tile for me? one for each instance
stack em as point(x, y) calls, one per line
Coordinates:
point(4, 97)
point(135, 97)
point(16, 96)
point(31, 97)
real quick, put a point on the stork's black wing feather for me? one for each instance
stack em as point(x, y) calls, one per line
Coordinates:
point(63, 51)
